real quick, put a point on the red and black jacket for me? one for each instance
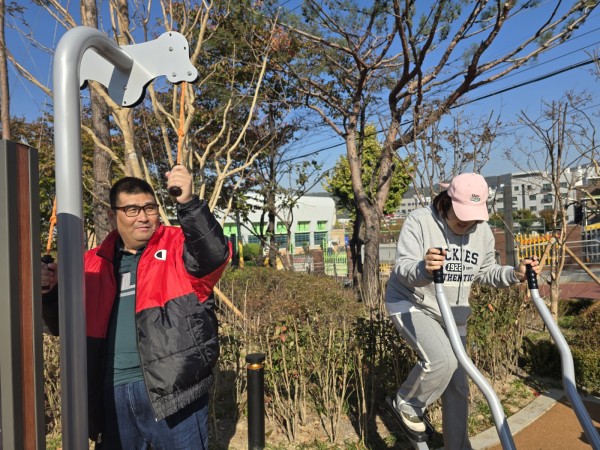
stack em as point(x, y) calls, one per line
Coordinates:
point(175, 319)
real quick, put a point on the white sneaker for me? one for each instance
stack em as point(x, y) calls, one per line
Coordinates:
point(412, 422)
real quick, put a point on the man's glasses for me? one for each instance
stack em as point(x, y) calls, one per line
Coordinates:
point(134, 210)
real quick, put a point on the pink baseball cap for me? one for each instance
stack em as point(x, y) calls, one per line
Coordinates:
point(469, 194)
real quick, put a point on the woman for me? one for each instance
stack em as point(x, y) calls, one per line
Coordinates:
point(456, 223)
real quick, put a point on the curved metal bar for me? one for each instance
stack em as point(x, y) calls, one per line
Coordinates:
point(70, 241)
point(568, 369)
point(461, 355)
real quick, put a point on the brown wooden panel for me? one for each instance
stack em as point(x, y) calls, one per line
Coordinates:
point(25, 295)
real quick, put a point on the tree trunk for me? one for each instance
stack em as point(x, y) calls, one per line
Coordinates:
point(101, 127)
point(4, 91)
point(371, 283)
point(355, 244)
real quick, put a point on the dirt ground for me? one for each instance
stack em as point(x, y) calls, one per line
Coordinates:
point(384, 431)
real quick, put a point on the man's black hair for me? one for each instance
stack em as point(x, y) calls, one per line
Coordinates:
point(129, 185)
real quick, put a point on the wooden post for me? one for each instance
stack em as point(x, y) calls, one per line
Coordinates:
point(21, 356)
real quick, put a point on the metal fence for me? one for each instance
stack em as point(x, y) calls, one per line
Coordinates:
point(336, 264)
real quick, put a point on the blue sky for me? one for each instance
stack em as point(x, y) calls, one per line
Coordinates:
point(27, 100)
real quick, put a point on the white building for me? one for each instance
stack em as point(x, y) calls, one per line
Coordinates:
point(524, 190)
point(312, 220)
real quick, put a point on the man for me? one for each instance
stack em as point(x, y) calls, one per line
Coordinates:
point(151, 326)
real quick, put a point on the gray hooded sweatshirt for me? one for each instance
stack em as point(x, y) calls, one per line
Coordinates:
point(470, 257)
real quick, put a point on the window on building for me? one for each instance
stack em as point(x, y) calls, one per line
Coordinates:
point(253, 239)
point(281, 228)
point(322, 225)
point(300, 239)
point(229, 229)
point(516, 188)
point(320, 238)
point(563, 184)
point(533, 208)
point(546, 187)
point(529, 187)
point(547, 207)
point(281, 240)
point(532, 197)
point(514, 199)
point(303, 226)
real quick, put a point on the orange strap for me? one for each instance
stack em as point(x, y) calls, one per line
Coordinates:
point(51, 229)
point(180, 131)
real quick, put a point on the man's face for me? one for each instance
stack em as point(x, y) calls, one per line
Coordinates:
point(135, 231)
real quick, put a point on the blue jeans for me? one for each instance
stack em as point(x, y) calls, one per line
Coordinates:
point(129, 422)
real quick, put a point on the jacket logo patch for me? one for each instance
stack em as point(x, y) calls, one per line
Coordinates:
point(161, 254)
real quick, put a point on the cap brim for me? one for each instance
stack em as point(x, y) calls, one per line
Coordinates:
point(470, 212)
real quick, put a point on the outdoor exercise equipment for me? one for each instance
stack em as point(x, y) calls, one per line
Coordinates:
point(498, 415)
point(175, 191)
point(84, 54)
point(506, 440)
point(568, 370)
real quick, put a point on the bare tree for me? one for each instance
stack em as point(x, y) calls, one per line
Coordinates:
point(444, 53)
point(4, 91)
point(211, 139)
point(562, 148)
point(440, 153)
point(101, 129)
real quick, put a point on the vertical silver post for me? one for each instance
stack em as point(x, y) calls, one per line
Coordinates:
point(70, 243)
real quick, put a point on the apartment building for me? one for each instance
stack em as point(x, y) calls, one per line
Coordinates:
point(524, 190)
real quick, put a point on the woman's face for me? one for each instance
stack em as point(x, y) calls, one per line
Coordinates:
point(458, 226)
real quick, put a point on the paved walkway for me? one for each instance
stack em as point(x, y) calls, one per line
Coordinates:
point(548, 423)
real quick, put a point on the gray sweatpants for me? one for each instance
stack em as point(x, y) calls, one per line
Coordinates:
point(436, 374)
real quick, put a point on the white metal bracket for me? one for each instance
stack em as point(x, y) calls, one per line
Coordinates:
point(167, 55)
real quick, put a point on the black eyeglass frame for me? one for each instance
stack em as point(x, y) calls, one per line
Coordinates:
point(129, 209)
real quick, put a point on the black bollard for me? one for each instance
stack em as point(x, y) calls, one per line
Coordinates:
point(256, 401)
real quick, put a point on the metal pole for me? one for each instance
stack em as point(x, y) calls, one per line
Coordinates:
point(256, 401)
point(461, 355)
point(70, 242)
point(568, 370)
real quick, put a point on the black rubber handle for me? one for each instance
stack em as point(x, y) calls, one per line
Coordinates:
point(175, 191)
point(531, 277)
point(47, 259)
point(438, 275)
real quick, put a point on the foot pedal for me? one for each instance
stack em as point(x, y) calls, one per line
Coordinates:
point(410, 434)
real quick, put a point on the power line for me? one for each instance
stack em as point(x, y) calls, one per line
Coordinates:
point(491, 94)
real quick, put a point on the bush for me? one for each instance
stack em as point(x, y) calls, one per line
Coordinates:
point(251, 252)
point(496, 328)
point(542, 358)
point(587, 369)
